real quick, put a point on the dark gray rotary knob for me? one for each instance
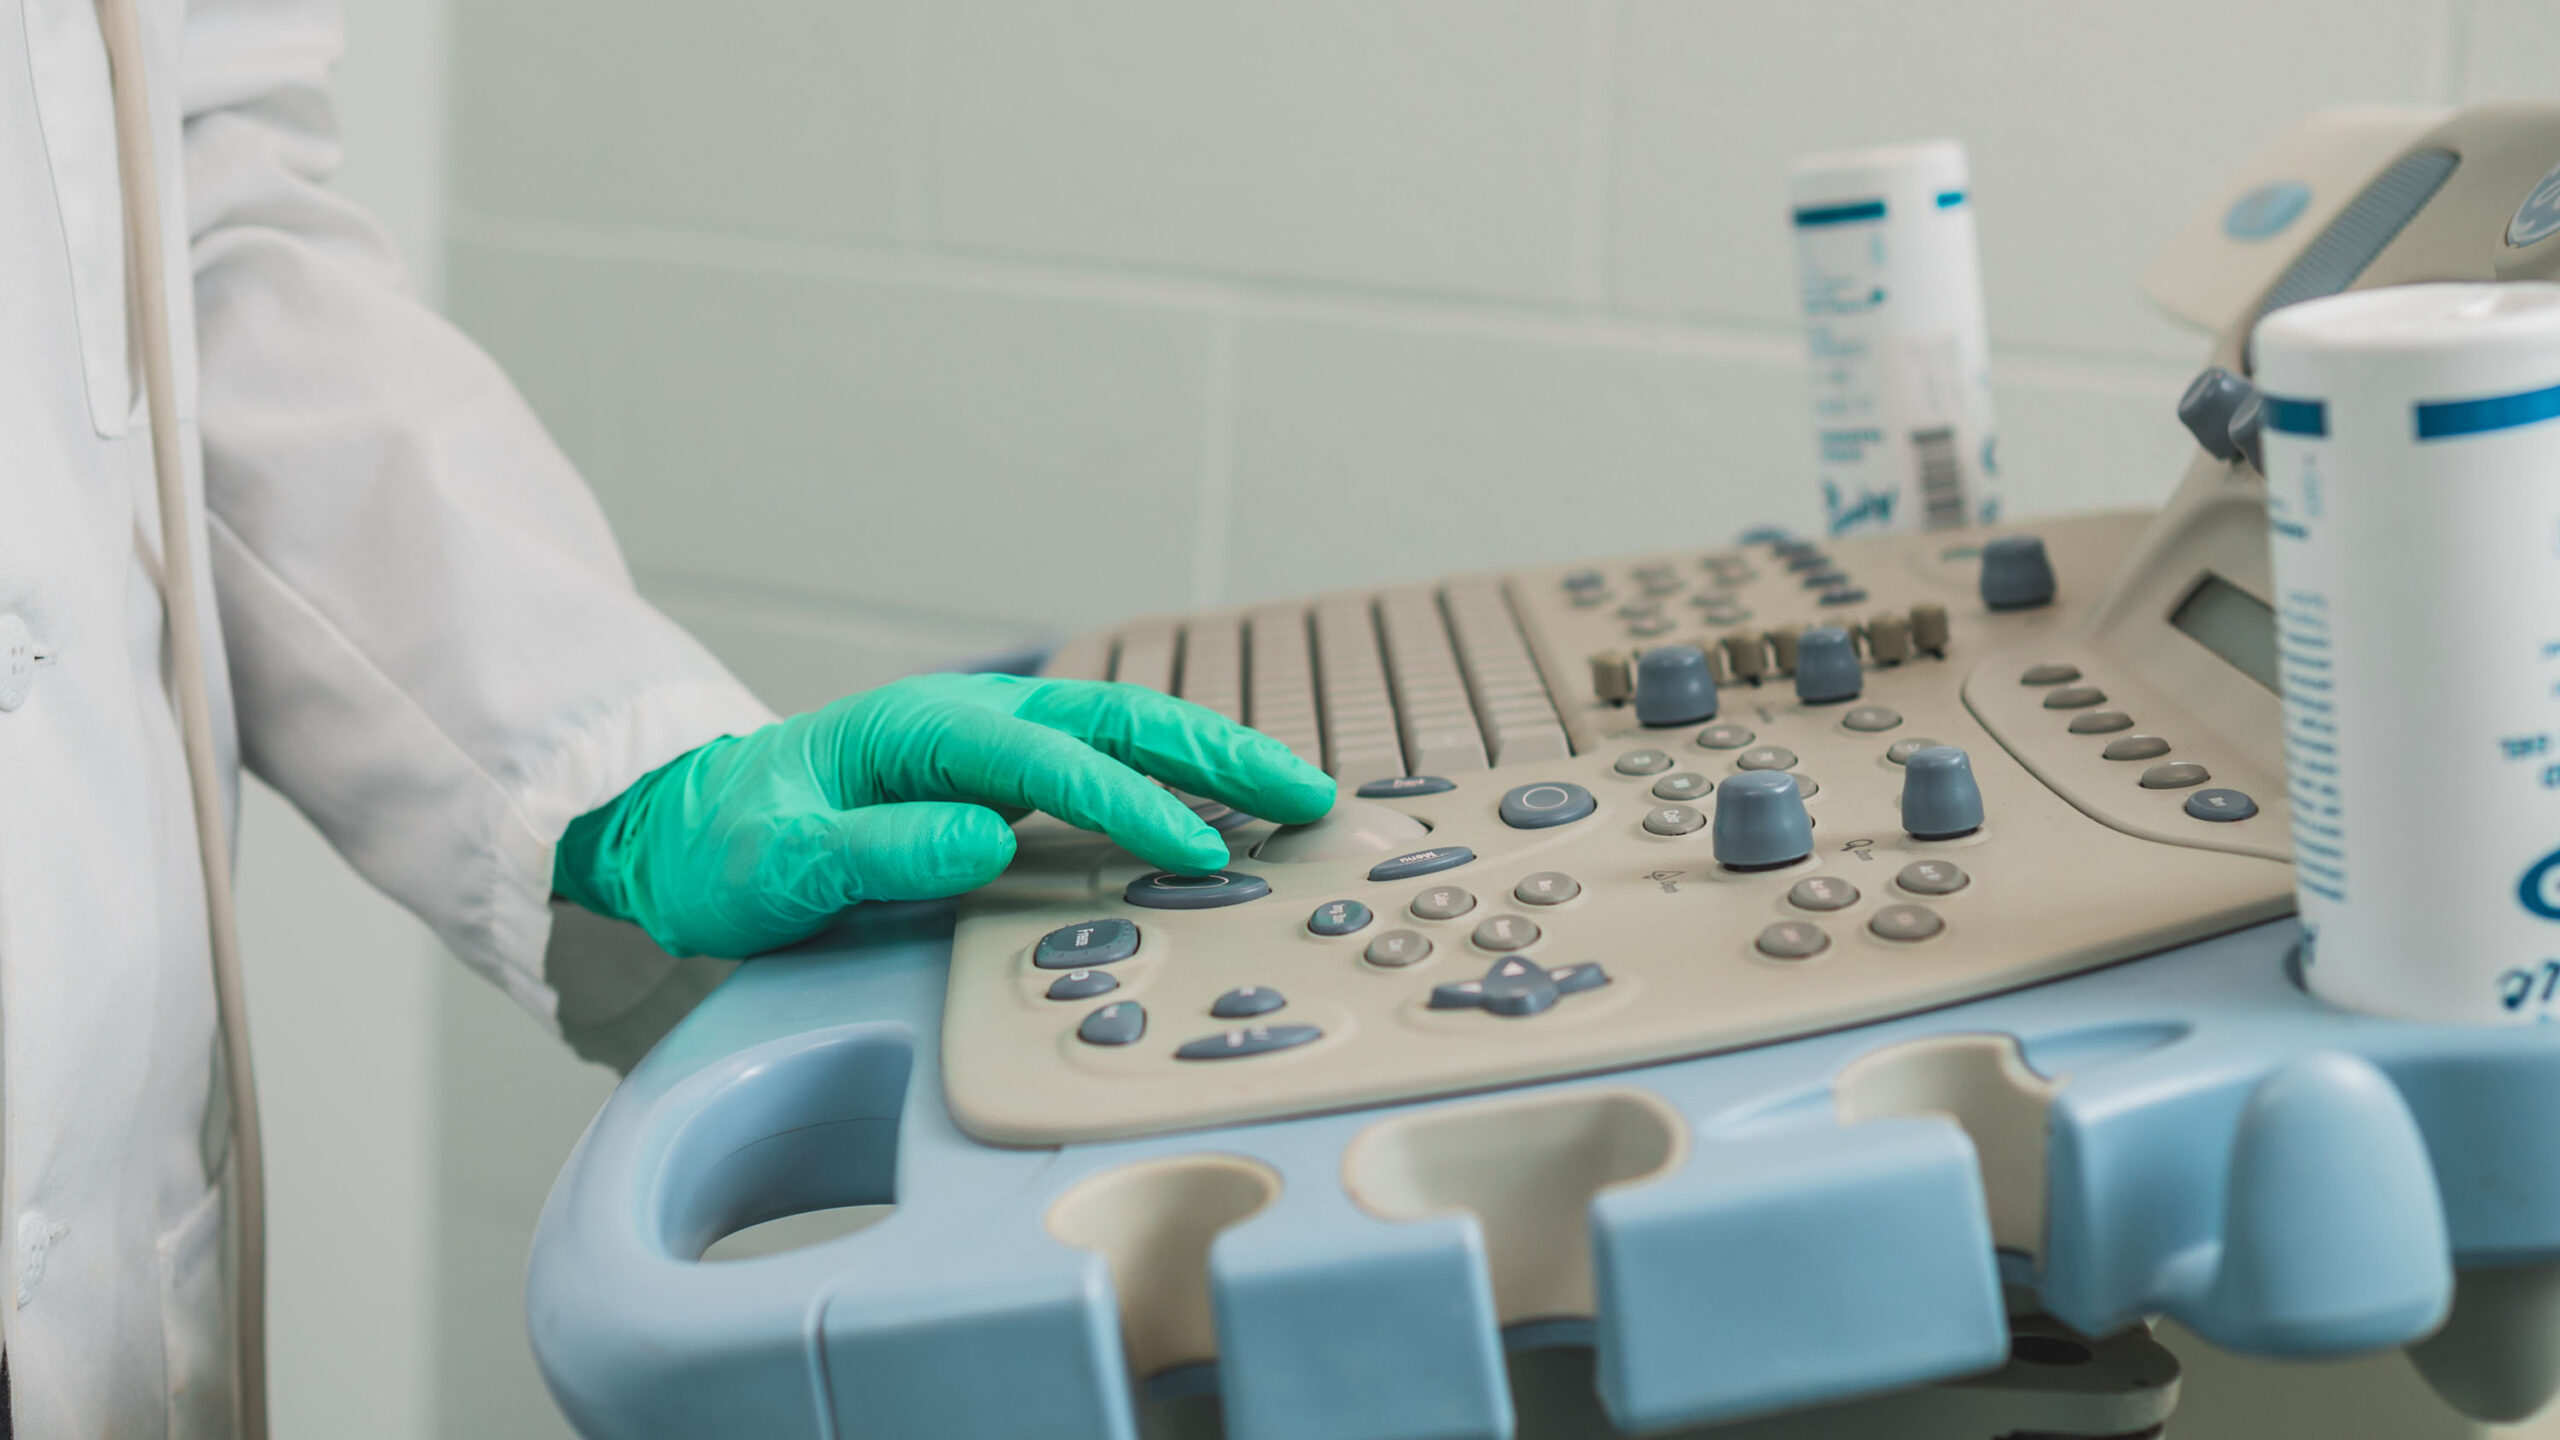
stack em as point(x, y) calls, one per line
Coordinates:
point(2016, 575)
point(1826, 666)
point(1760, 821)
point(1674, 686)
point(1939, 797)
point(2248, 425)
point(2207, 407)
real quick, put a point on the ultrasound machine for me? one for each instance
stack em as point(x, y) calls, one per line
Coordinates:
point(1757, 987)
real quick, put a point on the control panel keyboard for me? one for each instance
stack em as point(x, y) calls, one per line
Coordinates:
point(1599, 815)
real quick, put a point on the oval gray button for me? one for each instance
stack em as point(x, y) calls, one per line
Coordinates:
point(2221, 805)
point(1674, 820)
point(1398, 948)
point(2136, 747)
point(1906, 922)
point(2176, 775)
point(1442, 902)
point(1246, 1001)
point(1251, 1040)
point(2075, 697)
point(1766, 757)
point(1822, 892)
point(1086, 944)
point(1725, 735)
point(1082, 985)
point(1687, 785)
point(1505, 932)
point(2051, 673)
point(1901, 751)
point(1421, 862)
point(1792, 940)
point(1643, 762)
point(1871, 718)
point(1339, 917)
point(1121, 1023)
point(1933, 877)
point(1547, 887)
point(2101, 722)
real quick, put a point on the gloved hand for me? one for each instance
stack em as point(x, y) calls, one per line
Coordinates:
point(905, 793)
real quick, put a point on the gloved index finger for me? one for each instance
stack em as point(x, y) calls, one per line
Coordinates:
point(1195, 749)
point(994, 758)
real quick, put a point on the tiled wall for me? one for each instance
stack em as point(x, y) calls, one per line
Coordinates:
point(895, 330)
point(890, 330)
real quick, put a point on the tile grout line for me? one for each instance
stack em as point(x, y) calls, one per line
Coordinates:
point(1217, 462)
point(780, 607)
point(1595, 180)
point(1243, 299)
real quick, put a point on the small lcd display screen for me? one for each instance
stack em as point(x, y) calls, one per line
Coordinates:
point(2232, 623)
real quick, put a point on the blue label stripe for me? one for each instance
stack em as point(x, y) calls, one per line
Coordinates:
point(2444, 419)
point(2297, 417)
point(1950, 199)
point(1855, 210)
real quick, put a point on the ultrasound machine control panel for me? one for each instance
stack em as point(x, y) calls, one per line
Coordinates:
point(1685, 801)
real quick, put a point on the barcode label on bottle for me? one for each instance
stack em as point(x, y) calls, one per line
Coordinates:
point(1941, 480)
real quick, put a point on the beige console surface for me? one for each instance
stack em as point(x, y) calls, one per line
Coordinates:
point(2077, 863)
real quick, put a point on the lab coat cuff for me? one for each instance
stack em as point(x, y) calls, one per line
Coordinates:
point(592, 764)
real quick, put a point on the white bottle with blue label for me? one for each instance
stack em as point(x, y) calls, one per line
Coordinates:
point(2413, 506)
point(1898, 355)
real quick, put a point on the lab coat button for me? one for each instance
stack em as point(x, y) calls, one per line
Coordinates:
point(18, 661)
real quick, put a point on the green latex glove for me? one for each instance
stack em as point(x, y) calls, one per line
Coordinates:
point(905, 793)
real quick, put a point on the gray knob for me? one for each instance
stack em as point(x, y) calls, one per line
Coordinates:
point(1674, 686)
point(2246, 422)
point(2207, 407)
point(1760, 821)
point(1826, 666)
point(1939, 797)
point(2015, 573)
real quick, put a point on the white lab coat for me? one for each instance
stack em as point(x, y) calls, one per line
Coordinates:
point(427, 642)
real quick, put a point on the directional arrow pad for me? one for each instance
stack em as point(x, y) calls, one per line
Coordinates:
point(1517, 986)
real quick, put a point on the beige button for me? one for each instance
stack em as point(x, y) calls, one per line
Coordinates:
point(1933, 877)
point(1888, 638)
point(1782, 646)
point(1398, 948)
point(1822, 892)
point(1442, 902)
point(2136, 747)
point(1792, 940)
point(1747, 652)
point(1612, 679)
point(1906, 922)
point(1725, 735)
point(1547, 887)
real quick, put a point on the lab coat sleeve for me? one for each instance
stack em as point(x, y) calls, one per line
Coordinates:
point(437, 652)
